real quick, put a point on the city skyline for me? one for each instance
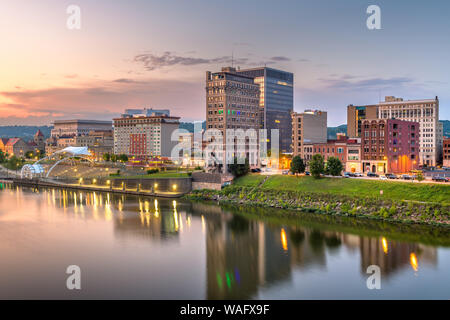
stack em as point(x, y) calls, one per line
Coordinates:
point(51, 73)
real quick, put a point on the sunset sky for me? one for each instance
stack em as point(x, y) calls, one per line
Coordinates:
point(145, 53)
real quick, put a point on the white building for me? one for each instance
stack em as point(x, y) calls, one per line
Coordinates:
point(145, 136)
point(426, 112)
point(73, 128)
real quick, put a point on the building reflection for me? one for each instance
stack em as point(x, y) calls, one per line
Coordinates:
point(243, 256)
point(393, 256)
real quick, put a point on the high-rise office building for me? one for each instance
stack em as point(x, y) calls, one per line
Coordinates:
point(276, 102)
point(426, 113)
point(308, 127)
point(232, 102)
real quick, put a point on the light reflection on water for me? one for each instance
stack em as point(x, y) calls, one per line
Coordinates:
point(130, 247)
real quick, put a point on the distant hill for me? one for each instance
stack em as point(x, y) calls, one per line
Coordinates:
point(25, 132)
point(343, 128)
point(332, 131)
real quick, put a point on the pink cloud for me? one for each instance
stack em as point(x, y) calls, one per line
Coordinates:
point(102, 100)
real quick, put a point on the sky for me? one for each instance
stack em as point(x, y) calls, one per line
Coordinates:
point(145, 53)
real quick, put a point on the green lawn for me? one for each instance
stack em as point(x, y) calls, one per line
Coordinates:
point(393, 190)
point(250, 180)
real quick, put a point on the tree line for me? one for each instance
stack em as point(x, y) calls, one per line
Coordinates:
point(317, 166)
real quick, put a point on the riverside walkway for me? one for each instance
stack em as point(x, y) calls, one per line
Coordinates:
point(36, 183)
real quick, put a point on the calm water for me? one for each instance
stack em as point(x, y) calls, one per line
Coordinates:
point(157, 249)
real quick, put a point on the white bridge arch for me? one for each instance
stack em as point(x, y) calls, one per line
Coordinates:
point(36, 170)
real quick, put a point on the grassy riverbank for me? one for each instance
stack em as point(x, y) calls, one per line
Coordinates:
point(413, 191)
point(407, 202)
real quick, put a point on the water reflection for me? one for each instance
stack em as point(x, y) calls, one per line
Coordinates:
point(243, 255)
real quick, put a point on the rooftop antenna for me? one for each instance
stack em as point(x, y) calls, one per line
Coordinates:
point(232, 58)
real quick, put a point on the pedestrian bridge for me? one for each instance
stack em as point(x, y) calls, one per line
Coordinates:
point(36, 170)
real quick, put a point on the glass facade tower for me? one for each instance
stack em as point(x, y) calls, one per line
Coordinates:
point(276, 102)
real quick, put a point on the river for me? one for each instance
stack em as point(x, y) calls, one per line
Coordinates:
point(147, 248)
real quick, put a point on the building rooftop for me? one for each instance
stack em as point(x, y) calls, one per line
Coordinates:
point(82, 121)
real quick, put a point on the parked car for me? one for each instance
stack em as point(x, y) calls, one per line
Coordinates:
point(372, 175)
point(255, 170)
point(307, 173)
point(440, 179)
point(358, 174)
point(348, 175)
point(285, 172)
point(406, 177)
point(383, 178)
point(391, 176)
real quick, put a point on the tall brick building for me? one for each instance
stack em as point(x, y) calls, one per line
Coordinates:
point(232, 102)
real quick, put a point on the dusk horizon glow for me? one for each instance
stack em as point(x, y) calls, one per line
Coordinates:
point(155, 54)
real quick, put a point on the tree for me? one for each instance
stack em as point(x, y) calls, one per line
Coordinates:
point(113, 158)
point(123, 158)
point(14, 163)
point(420, 176)
point(334, 166)
point(297, 165)
point(106, 157)
point(316, 166)
point(2, 157)
point(239, 169)
point(29, 154)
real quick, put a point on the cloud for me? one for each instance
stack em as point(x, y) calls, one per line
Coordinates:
point(71, 76)
point(280, 58)
point(153, 62)
point(101, 100)
point(125, 80)
point(371, 83)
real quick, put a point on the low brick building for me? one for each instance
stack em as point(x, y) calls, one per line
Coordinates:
point(345, 149)
point(389, 146)
point(446, 152)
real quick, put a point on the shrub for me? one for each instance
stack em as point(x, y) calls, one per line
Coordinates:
point(152, 171)
point(383, 213)
point(345, 208)
point(392, 210)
